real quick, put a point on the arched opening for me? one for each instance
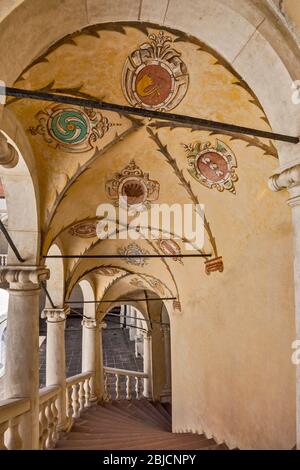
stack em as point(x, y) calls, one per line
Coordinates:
point(123, 346)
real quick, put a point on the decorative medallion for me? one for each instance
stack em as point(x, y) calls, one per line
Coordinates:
point(84, 230)
point(135, 185)
point(154, 75)
point(71, 129)
point(215, 264)
point(108, 271)
point(170, 247)
point(212, 166)
point(132, 250)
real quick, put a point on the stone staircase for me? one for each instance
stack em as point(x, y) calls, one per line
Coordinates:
point(130, 425)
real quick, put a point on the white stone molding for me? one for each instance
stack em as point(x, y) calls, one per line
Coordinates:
point(8, 155)
point(89, 323)
point(55, 314)
point(287, 179)
point(23, 275)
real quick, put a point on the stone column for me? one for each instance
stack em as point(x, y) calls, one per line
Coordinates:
point(56, 357)
point(22, 344)
point(147, 364)
point(92, 356)
point(290, 179)
point(99, 375)
point(166, 393)
point(122, 316)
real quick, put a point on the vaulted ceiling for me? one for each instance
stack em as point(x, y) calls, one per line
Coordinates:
point(86, 157)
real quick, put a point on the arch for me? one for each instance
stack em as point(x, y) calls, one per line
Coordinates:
point(88, 292)
point(56, 282)
point(255, 45)
point(20, 188)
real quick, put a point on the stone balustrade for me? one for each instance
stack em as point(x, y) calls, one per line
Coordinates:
point(122, 384)
point(78, 395)
point(12, 411)
point(48, 417)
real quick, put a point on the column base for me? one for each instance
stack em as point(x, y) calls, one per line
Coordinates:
point(166, 396)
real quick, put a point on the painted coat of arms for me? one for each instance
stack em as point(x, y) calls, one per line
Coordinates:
point(71, 129)
point(134, 184)
point(212, 165)
point(154, 75)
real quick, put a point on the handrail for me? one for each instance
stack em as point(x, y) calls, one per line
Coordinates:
point(13, 407)
point(48, 392)
point(78, 378)
point(131, 373)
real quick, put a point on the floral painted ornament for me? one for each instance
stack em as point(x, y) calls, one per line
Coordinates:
point(132, 250)
point(84, 229)
point(213, 166)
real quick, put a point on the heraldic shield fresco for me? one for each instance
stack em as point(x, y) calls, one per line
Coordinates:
point(154, 75)
point(106, 155)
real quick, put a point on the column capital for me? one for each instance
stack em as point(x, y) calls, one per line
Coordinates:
point(23, 276)
point(147, 334)
point(89, 323)
point(287, 179)
point(8, 155)
point(53, 315)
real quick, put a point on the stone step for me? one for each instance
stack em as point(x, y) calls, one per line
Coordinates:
point(130, 425)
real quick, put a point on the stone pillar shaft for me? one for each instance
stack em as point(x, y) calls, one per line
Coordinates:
point(56, 357)
point(22, 344)
point(147, 365)
point(290, 179)
point(92, 356)
point(167, 349)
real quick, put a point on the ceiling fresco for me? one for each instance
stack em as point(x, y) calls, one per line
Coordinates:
point(86, 157)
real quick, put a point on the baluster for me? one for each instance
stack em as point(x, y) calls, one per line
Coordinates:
point(43, 427)
point(3, 429)
point(137, 388)
point(75, 401)
point(55, 435)
point(50, 425)
point(69, 392)
point(107, 387)
point(81, 396)
point(14, 441)
point(128, 387)
point(117, 387)
point(87, 392)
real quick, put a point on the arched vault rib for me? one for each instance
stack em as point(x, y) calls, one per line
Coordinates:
point(185, 183)
point(149, 242)
point(83, 168)
point(268, 149)
point(127, 272)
